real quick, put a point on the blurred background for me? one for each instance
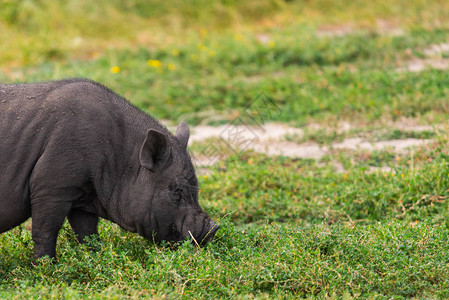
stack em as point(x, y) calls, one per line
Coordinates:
point(203, 61)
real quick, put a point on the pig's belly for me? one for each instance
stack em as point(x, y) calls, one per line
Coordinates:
point(13, 210)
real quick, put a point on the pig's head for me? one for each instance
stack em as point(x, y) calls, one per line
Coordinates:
point(172, 188)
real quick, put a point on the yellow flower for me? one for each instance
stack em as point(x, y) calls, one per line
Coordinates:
point(115, 69)
point(171, 66)
point(154, 63)
point(203, 32)
point(212, 53)
point(238, 37)
point(271, 44)
point(175, 52)
point(201, 47)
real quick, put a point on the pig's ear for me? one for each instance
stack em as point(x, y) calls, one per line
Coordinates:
point(155, 153)
point(182, 134)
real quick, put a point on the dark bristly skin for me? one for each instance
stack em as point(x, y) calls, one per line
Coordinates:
point(75, 149)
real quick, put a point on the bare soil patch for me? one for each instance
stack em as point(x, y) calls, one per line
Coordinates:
point(270, 140)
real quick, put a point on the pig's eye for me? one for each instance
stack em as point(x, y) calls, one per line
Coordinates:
point(177, 193)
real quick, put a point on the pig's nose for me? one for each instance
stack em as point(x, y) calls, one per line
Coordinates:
point(213, 228)
point(210, 233)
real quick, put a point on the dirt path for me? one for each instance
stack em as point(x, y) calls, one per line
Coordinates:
point(271, 140)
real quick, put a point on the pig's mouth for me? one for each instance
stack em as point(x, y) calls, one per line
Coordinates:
point(199, 239)
point(206, 236)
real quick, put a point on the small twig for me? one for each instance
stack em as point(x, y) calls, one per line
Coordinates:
point(351, 222)
point(196, 243)
point(413, 206)
point(439, 199)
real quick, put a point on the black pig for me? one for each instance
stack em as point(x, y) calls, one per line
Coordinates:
point(75, 149)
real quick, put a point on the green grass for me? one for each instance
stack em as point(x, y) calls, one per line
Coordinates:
point(378, 260)
point(260, 189)
point(356, 223)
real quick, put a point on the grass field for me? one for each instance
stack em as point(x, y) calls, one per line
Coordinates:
point(354, 223)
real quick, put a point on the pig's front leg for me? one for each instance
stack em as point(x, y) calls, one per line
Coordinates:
point(47, 216)
point(83, 223)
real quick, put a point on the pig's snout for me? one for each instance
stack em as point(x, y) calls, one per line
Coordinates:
point(212, 229)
